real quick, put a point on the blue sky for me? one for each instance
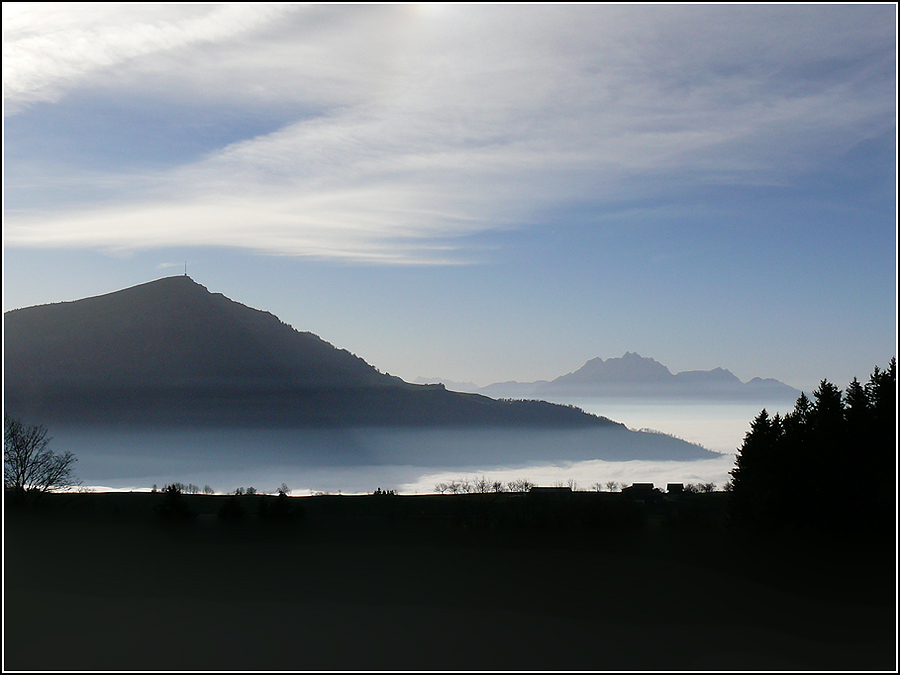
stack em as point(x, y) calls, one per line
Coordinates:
point(480, 193)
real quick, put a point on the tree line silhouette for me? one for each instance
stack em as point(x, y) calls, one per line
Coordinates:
point(828, 464)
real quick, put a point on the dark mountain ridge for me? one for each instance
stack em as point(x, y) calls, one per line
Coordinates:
point(171, 352)
point(172, 332)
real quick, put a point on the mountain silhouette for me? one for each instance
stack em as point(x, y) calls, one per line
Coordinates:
point(171, 352)
point(633, 375)
point(630, 368)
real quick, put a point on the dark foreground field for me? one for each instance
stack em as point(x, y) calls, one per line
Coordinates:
point(474, 582)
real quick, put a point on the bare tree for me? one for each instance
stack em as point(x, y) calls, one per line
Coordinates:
point(29, 466)
point(481, 485)
point(612, 486)
point(207, 490)
point(707, 487)
point(520, 485)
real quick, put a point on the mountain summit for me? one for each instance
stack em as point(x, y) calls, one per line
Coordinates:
point(630, 368)
point(171, 352)
point(172, 333)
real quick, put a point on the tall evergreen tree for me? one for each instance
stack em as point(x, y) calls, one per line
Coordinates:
point(882, 391)
point(755, 461)
point(880, 496)
point(828, 410)
point(856, 406)
point(792, 471)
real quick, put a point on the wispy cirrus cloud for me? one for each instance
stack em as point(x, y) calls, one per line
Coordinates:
point(407, 134)
point(49, 50)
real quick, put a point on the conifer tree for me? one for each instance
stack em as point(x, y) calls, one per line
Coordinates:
point(791, 471)
point(856, 405)
point(755, 461)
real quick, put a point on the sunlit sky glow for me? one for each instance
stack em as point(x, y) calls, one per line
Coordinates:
point(476, 192)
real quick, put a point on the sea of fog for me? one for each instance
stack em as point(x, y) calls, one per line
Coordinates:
point(354, 461)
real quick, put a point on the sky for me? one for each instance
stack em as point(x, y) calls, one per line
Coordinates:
point(479, 193)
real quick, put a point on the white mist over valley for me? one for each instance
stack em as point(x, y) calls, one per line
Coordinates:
point(225, 460)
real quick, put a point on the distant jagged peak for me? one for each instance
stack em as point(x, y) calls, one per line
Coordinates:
point(630, 367)
point(636, 375)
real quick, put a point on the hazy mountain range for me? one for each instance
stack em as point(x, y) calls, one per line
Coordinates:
point(634, 376)
point(169, 352)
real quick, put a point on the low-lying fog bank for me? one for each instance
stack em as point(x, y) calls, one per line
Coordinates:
point(359, 460)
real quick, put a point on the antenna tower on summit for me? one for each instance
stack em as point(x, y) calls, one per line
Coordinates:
point(185, 268)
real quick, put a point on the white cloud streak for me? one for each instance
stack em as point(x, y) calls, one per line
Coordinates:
point(428, 128)
point(51, 49)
